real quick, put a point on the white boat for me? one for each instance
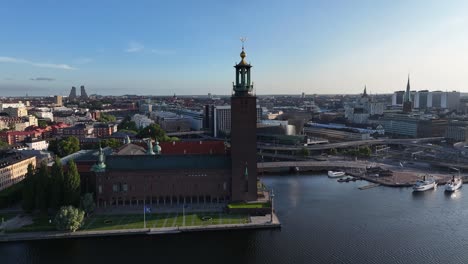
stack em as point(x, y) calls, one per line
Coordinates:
point(425, 184)
point(454, 184)
point(336, 174)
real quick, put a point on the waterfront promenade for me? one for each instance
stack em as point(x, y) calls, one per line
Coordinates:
point(255, 222)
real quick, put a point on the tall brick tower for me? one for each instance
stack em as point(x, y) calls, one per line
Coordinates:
point(243, 135)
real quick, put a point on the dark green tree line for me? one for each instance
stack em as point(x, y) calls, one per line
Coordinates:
point(44, 189)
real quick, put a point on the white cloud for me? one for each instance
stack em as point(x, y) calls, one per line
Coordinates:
point(36, 64)
point(134, 46)
point(42, 79)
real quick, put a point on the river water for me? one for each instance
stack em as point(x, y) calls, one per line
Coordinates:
point(322, 222)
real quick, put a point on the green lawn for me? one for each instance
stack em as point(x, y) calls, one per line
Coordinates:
point(248, 205)
point(132, 221)
point(110, 222)
point(40, 224)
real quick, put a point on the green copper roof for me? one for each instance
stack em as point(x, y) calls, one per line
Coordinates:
point(164, 162)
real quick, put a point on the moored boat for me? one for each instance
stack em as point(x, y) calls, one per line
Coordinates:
point(427, 183)
point(336, 174)
point(454, 184)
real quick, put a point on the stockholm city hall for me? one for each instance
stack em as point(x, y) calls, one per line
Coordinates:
point(243, 134)
point(135, 174)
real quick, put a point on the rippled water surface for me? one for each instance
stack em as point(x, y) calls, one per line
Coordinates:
point(323, 222)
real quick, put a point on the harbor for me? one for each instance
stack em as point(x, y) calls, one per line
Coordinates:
point(377, 225)
point(390, 174)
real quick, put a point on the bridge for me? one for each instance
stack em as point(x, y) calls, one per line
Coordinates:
point(314, 165)
point(351, 144)
point(185, 133)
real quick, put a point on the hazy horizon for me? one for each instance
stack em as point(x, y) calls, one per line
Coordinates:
point(161, 48)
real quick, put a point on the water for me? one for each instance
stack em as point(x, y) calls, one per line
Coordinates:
point(323, 222)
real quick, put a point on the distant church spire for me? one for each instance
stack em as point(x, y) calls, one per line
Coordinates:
point(365, 91)
point(408, 92)
point(407, 104)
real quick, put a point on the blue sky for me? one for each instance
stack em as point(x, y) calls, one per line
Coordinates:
point(189, 47)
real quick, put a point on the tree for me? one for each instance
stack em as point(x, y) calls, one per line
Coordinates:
point(87, 203)
point(333, 151)
point(127, 124)
point(3, 144)
point(155, 132)
point(111, 142)
point(68, 146)
point(41, 186)
point(172, 139)
point(42, 123)
point(56, 185)
point(365, 151)
point(54, 146)
point(303, 152)
point(106, 118)
point(64, 147)
point(71, 185)
point(28, 190)
point(69, 218)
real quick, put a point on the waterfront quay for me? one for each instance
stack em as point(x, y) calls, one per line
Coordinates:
point(160, 224)
point(401, 176)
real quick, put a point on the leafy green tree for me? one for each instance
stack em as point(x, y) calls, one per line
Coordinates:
point(303, 152)
point(127, 124)
point(365, 151)
point(42, 123)
point(111, 142)
point(54, 146)
point(69, 218)
point(56, 184)
point(172, 139)
point(71, 185)
point(3, 144)
point(68, 146)
point(106, 118)
point(41, 186)
point(28, 202)
point(87, 203)
point(155, 132)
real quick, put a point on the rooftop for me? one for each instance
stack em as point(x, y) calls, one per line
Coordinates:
point(10, 157)
point(162, 162)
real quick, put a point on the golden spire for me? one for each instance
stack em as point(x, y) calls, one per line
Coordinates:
point(243, 54)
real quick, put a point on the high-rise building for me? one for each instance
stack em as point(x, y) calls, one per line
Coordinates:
point(437, 99)
point(243, 134)
point(397, 98)
point(58, 100)
point(84, 95)
point(72, 96)
point(218, 119)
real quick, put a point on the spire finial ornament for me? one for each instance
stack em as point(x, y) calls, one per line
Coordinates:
point(243, 39)
point(243, 54)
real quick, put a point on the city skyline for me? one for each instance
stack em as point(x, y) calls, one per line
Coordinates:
point(187, 48)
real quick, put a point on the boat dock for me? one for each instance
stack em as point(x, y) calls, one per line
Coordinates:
point(369, 186)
